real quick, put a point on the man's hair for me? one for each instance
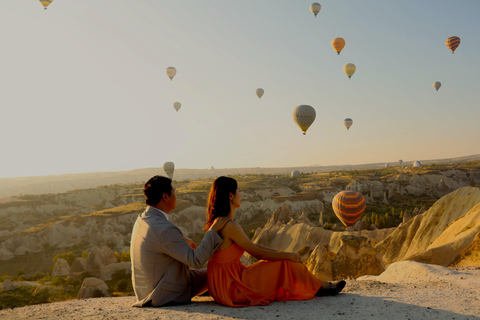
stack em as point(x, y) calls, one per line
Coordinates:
point(155, 188)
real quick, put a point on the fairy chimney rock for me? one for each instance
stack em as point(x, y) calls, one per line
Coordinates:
point(90, 286)
point(61, 269)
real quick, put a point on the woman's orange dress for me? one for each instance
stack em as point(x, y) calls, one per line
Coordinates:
point(233, 284)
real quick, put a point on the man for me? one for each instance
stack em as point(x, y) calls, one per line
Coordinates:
point(160, 254)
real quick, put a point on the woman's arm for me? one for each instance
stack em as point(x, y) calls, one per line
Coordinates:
point(266, 248)
point(233, 231)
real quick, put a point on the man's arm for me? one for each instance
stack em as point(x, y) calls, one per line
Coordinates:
point(176, 247)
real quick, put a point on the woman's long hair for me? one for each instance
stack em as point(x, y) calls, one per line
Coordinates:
point(218, 204)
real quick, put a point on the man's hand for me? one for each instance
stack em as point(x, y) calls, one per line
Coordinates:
point(190, 243)
point(219, 223)
point(294, 257)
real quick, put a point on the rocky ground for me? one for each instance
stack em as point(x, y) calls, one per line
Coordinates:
point(411, 291)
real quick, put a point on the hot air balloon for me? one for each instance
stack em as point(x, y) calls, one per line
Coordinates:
point(417, 164)
point(169, 167)
point(304, 115)
point(315, 8)
point(387, 165)
point(348, 207)
point(338, 44)
point(452, 43)
point(437, 85)
point(347, 123)
point(171, 72)
point(295, 173)
point(349, 69)
point(177, 106)
point(400, 162)
point(259, 92)
point(46, 3)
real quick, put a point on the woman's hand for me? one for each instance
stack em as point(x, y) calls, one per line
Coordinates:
point(294, 257)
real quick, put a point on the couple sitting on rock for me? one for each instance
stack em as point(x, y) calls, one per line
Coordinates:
point(166, 265)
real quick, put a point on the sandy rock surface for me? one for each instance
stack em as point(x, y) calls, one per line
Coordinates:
point(441, 295)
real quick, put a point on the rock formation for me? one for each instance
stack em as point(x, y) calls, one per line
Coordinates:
point(89, 289)
point(439, 235)
point(470, 256)
point(436, 236)
point(95, 217)
point(78, 267)
point(7, 285)
point(320, 262)
point(107, 271)
point(332, 250)
point(98, 258)
point(407, 216)
point(61, 269)
point(360, 225)
point(356, 257)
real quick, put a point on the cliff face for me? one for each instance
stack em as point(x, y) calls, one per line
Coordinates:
point(443, 234)
point(328, 254)
point(439, 235)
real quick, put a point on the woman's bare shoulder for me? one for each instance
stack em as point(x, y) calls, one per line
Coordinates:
point(232, 224)
point(232, 227)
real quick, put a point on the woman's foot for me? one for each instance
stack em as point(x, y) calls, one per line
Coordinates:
point(331, 288)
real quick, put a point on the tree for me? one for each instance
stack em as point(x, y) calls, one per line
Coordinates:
point(388, 220)
point(123, 257)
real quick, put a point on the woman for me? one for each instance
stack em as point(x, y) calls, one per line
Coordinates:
point(278, 276)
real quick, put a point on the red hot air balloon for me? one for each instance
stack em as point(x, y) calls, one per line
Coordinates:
point(349, 207)
point(452, 43)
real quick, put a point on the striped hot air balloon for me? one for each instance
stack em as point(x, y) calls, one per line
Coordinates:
point(347, 123)
point(315, 8)
point(349, 69)
point(46, 3)
point(349, 206)
point(452, 43)
point(338, 44)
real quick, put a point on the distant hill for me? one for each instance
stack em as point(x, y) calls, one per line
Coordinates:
point(62, 183)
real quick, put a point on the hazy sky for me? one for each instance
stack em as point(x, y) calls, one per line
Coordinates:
point(84, 88)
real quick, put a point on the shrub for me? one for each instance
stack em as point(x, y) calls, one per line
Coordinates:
point(59, 281)
point(38, 275)
point(123, 257)
point(98, 293)
point(85, 275)
point(119, 274)
point(121, 281)
point(18, 297)
point(3, 277)
point(42, 295)
point(69, 257)
point(122, 285)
